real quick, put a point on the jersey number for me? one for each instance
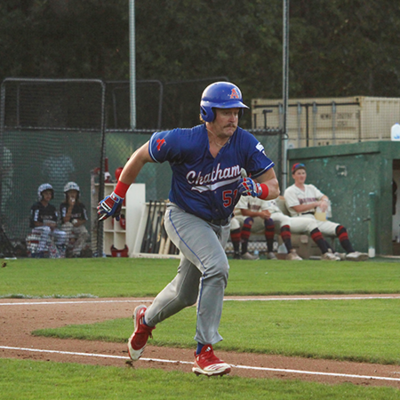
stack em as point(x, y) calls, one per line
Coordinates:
point(228, 198)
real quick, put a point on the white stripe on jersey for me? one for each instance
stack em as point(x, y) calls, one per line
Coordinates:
point(214, 186)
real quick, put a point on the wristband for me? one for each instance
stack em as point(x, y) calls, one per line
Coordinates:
point(121, 189)
point(265, 191)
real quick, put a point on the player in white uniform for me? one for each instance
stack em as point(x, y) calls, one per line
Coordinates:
point(302, 200)
point(254, 215)
point(206, 163)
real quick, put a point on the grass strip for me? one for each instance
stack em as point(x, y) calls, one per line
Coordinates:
point(352, 330)
point(122, 277)
point(38, 380)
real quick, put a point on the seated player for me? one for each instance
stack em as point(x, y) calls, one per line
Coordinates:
point(302, 201)
point(43, 220)
point(73, 217)
point(255, 215)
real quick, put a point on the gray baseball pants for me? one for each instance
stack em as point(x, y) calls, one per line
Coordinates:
point(202, 274)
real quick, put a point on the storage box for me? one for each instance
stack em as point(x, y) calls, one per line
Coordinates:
point(326, 121)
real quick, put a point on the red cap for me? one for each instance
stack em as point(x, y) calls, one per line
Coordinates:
point(297, 166)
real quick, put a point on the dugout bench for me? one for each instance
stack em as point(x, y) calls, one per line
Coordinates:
point(305, 247)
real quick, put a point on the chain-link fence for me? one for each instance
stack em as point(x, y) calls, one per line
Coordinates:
point(55, 131)
point(51, 132)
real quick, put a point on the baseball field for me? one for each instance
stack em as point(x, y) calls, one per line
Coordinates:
point(292, 330)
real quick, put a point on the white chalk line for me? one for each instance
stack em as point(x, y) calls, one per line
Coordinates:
point(315, 298)
point(60, 301)
point(149, 300)
point(159, 360)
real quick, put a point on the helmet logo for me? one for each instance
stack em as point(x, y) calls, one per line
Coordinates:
point(160, 142)
point(234, 94)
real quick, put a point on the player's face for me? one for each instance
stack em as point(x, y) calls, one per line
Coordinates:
point(72, 195)
point(226, 121)
point(300, 176)
point(46, 195)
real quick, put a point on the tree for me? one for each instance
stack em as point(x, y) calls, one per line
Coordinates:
point(344, 48)
point(337, 47)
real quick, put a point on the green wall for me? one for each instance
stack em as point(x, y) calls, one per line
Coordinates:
point(347, 174)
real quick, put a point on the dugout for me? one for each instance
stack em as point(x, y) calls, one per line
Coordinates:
point(348, 173)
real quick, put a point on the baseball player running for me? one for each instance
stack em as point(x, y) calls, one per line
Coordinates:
point(302, 200)
point(206, 161)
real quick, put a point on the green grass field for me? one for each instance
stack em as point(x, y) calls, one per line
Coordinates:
point(31, 380)
point(340, 330)
point(364, 330)
point(116, 277)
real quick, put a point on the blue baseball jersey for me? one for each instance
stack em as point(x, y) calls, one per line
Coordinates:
point(201, 184)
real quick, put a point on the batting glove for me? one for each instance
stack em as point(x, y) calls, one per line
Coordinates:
point(110, 207)
point(248, 187)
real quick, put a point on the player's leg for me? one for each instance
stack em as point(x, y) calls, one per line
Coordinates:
point(332, 228)
point(43, 232)
point(203, 246)
point(310, 225)
point(178, 294)
point(269, 233)
point(247, 228)
point(181, 292)
point(82, 235)
point(236, 237)
point(283, 222)
point(68, 229)
point(246, 232)
point(203, 261)
point(60, 238)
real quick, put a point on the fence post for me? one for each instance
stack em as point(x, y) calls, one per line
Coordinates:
point(371, 225)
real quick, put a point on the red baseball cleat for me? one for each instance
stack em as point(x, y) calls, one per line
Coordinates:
point(206, 363)
point(137, 342)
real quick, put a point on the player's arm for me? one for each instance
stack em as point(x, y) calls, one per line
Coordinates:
point(134, 165)
point(78, 222)
point(264, 214)
point(111, 205)
point(265, 186)
point(305, 207)
point(68, 212)
point(269, 179)
point(323, 203)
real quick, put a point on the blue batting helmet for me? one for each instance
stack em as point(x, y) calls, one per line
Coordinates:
point(220, 95)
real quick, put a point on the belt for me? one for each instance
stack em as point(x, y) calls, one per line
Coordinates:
point(218, 221)
point(221, 221)
point(307, 213)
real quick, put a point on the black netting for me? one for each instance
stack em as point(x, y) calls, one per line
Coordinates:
point(159, 105)
point(51, 132)
point(57, 104)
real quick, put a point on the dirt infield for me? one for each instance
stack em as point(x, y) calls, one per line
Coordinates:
point(18, 318)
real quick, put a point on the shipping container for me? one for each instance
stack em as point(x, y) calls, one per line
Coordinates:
point(326, 121)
